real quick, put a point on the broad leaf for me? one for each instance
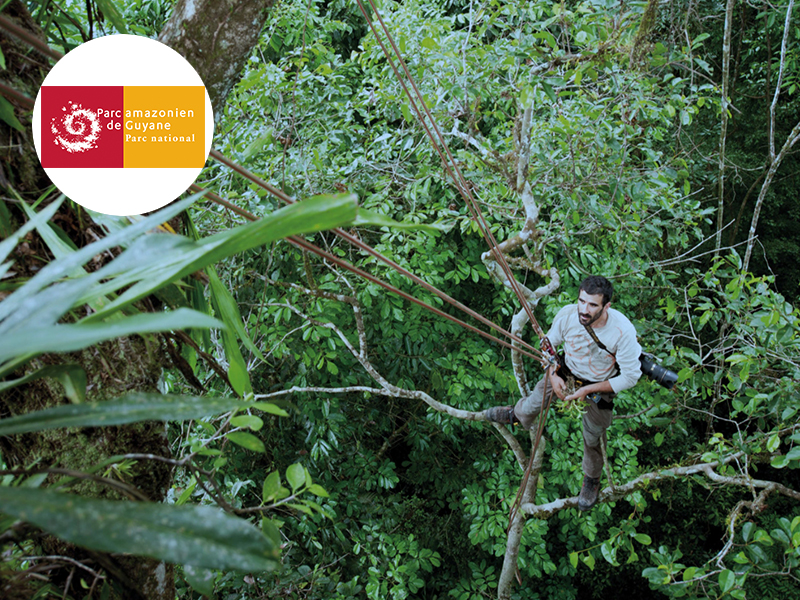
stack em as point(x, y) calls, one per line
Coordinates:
point(27, 301)
point(200, 536)
point(726, 580)
point(246, 440)
point(131, 408)
point(296, 475)
point(249, 421)
point(112, 13)
point(66, 338)
point(180, 256)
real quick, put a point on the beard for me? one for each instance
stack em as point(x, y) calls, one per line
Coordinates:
point(588, 319)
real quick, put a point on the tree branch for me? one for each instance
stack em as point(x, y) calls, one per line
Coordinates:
point(608, 494)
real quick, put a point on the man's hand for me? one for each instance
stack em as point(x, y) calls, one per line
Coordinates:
point(583, 392)
point(580, 393)
point(558, 385)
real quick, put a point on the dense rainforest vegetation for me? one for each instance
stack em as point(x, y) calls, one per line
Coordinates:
point(193, 406)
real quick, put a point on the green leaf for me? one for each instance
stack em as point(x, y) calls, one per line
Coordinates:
point(249, 421)
point(301, 507)
point(199, 536)
point(201, 580)
point(609, 552)
point(131, 408)
point(762, 537)
point(429, 43)
point(34, 301)
point(548, 89)
point(318, 490)
point(111, 12)
point(773, 443)
point(643, 538)
point(271, 486)
point(187, 493)
point(227, 309)
point(7, 115)
point(68, 338)
point(547, 37)
point(726, 580)
point(747, 529)
point(778, 462)
point(296, 476)
point(659, 439)
point(270, 408)
point(237, 371)
point(368, 217)
point(573, 559)
point(270, 529)
point(689, 573)
point(71, 376)
point(178, 256)
point(7, 245)
point(588, 560)
point(246, 440)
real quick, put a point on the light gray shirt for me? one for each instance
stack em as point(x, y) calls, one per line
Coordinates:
point(587, 360)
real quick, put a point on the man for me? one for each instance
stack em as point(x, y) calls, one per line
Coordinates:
point(602, 373)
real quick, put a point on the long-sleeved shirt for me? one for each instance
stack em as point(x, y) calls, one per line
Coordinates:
point(587, 360)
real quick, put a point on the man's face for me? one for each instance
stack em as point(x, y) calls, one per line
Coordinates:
point(591, 308)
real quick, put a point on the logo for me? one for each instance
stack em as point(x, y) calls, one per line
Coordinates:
point(123, 125)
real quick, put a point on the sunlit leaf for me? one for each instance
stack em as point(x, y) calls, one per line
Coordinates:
point(249, 421)
point(271, 486)
point(296, 475)
point(246, 440)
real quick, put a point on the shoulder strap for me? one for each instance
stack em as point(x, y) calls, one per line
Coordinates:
point(596, 339)
point(602, 346)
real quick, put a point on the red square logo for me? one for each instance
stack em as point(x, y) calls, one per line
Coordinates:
point(82, 126)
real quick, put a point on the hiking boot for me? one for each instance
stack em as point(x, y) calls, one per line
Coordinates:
point(501, 414)
point(588, 496)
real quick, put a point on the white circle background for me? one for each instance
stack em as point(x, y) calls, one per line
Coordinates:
point(120, 60)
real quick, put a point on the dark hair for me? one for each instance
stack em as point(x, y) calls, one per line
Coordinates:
point(596, 284)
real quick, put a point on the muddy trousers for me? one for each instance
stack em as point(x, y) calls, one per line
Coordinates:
point(595, 422)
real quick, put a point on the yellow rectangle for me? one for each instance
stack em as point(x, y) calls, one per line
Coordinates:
point(164, 127)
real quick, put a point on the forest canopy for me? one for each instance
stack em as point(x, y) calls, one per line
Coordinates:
point(245, 395)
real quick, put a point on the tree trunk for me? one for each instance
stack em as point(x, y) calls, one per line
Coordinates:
point(217, 39)
point(506, 582)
